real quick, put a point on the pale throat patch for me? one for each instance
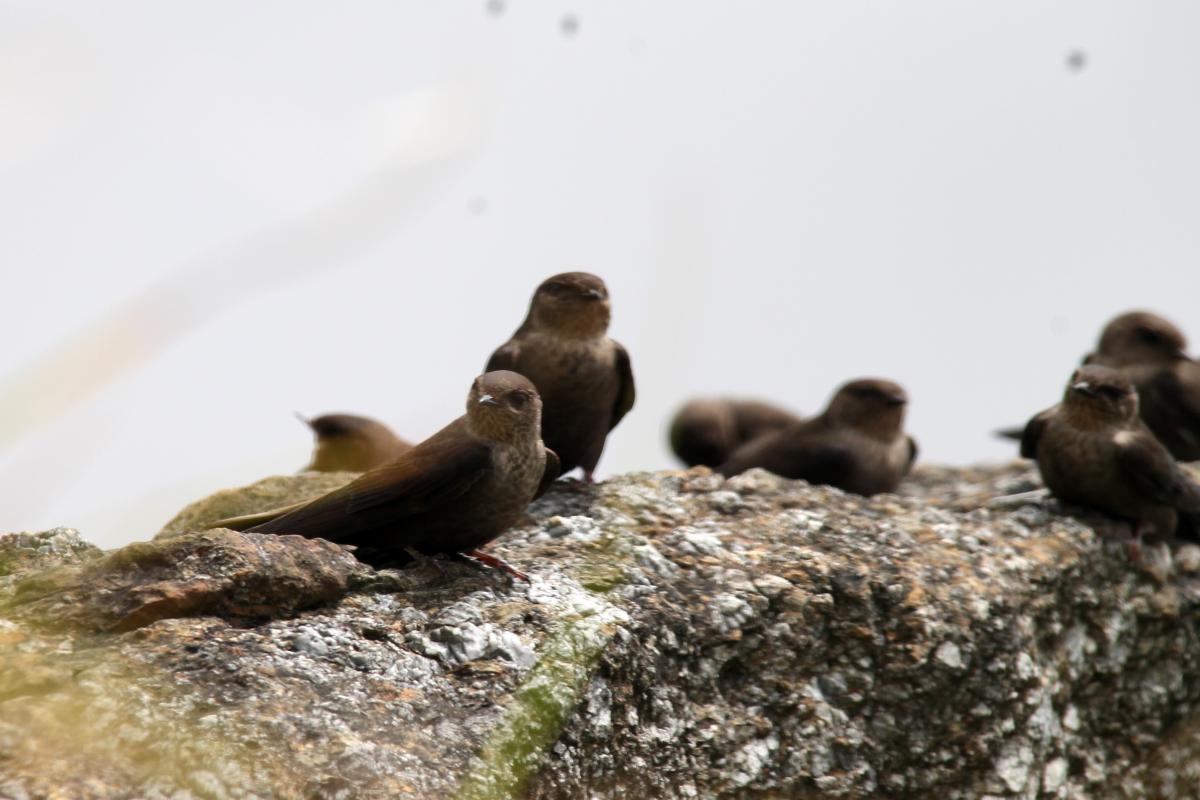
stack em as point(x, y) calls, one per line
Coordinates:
point(1124, 438)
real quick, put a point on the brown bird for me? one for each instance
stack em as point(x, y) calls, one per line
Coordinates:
point(1152, 354)
point(583, 376)
point(452, 493)
point(349, 443)
point(857, 443)
point(707, 430)
point(1093, 451)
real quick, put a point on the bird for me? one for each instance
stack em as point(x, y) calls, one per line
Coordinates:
point(857, 443)
point(1093, 450)
point(350, 443)
point(452, 493)
point(584, 377)
point(1152, 353)
point(707, 430)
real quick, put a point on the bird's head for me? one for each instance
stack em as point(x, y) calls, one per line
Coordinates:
point(573, 304)
point(1100, 394)
point(504, 406)
point(1139, 338)
point(871, 405)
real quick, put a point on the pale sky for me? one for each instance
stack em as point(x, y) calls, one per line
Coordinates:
point(219, 213)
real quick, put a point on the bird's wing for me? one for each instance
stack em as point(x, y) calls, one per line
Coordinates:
point(432, 474)
point(552, 471)
point(505, 357)
point(1173, 400)
point(247, 521)
point(1145, 462)
point(913, 450)
point(816, 459)
point(1033, 433)
point(625, 391)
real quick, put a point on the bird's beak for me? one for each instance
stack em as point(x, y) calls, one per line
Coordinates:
point(896, 400)
point(594, 294)
point(1083, 387)
point(1182, 355)
point(488, 400)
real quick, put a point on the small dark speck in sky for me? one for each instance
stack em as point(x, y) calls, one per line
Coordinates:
point(495, 7)
point(569, 25)
point(1076, 60)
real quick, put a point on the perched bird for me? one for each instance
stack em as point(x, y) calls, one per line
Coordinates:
point(348, 443)
point(583, 376)
point(857, 443)
point(1093, 451)
point(707, 430)
point(452, 493)
point(1151, 353)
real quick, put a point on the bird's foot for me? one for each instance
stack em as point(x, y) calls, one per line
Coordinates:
point(589, 478)
point(497, 563)
point(1134, 546)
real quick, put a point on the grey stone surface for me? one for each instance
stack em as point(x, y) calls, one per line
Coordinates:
point(682, 636)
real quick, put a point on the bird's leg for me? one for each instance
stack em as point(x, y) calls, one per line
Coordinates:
point(497, 562)
point(1134, 545)
point(588, 478)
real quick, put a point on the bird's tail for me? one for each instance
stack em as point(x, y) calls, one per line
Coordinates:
point(249, 521)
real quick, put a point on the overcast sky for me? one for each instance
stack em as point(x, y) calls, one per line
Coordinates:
point(218, 213)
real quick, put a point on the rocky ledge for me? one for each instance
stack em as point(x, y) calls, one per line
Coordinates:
point(682, 636)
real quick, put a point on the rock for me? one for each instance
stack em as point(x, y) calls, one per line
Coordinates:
point(682, 636)
point(246, 576)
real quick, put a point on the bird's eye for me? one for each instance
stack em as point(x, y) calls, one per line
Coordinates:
point(518, 400)
point(555, 288)
point(1149, 336)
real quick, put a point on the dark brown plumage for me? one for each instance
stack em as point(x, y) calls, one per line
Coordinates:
point(1152, 354)
point(1093, 451)
point(857, 443)
point(707, 430)
point(457, 490)
point(349, 443)
point(583, 376)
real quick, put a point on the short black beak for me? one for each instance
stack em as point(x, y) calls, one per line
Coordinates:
point(594, 294)
point(488, 400)
point(1084, 388)
point(896, 400)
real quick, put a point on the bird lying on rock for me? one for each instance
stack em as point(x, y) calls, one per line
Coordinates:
point(452, 493)
point(707, 430)
point(857, 443)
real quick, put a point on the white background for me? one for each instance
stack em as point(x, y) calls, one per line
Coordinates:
point(216, 213)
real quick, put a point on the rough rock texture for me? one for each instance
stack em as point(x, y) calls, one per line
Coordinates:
point(682, 636)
